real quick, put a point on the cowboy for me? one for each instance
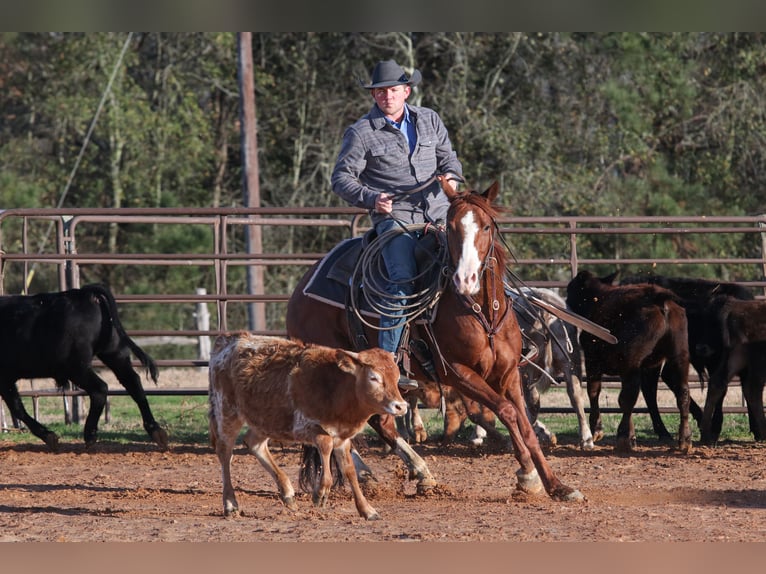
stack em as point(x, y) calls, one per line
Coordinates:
point(386, 161)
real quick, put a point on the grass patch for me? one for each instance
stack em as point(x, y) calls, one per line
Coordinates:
point(735, 426)
point(185, 419)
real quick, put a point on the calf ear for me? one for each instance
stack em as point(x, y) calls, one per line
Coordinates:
point(611, 278)
point(346, 361)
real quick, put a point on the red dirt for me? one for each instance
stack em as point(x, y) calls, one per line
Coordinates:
point(137, 493)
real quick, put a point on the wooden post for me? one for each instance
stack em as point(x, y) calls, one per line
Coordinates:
point(249, 136)
point(202, 316)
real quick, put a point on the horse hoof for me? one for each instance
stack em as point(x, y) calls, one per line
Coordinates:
point(574, 496)
point(421, 436)
point(529, 483)
point(598, 435)
point(587, 445)
point(425, 486)
point(290, 503)
point(230, 510)
point(320, 500)
point(373, 516)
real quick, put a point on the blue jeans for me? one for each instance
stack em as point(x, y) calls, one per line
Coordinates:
point(399, 258)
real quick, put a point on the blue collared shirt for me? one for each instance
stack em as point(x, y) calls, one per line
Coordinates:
point(407, 127)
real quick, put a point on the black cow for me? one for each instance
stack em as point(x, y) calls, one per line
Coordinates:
point(57, 335)
point(651, 330)
point(705, 333)
point(695, 296)
point(741, 328)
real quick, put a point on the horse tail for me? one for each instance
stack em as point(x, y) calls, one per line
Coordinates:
point(311, 469)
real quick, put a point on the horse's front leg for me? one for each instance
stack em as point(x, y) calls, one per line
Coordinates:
point(574, 390)
point(385, 426)
point(511, 411)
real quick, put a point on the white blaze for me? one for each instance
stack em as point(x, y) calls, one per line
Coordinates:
point(466, 275)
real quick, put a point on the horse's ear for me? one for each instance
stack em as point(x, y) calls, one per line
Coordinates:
point(447, 187)
point(492, 192)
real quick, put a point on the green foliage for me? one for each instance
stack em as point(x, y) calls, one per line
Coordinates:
point(568, 123)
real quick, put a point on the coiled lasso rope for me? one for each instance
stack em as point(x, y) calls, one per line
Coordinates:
point(370, 272)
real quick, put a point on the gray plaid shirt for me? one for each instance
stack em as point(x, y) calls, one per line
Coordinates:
point(374, 157)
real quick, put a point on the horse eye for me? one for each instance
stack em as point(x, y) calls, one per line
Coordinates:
point(486, 228)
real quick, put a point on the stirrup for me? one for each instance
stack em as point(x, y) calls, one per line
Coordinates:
point(405, 383)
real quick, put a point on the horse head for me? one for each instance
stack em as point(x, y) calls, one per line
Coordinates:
point(471, 236)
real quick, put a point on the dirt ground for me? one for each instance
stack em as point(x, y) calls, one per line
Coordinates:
point(137, 493)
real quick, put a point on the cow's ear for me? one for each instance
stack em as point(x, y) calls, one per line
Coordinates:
point(346, 361)
point(611, 278)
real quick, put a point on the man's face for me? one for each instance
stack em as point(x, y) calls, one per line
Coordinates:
point(391, 100)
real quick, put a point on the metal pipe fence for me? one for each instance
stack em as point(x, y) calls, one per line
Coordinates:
point(548, 251)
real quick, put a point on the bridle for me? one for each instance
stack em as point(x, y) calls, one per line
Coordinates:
point(496, 319)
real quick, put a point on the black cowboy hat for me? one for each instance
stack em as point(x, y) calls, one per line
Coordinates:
point(389, 73)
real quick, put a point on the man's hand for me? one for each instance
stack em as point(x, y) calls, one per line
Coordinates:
point(384, 203)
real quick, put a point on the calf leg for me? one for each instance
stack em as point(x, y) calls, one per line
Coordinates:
point(10, 394)
point(716, 392)
point(322, 487)
point(223, 434)
point(594, 391)
point(365, 509)
point(649, 383)
point(96, 388)
point(676, 377)
point(129, 379)
point(752, 389)
point(626, 434)
point(258, 446)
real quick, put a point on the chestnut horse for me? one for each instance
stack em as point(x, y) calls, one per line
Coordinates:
point(475, 339)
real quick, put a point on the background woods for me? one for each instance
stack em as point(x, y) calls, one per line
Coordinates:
point(569, 124)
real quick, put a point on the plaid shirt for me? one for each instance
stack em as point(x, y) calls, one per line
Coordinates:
point(375, 157)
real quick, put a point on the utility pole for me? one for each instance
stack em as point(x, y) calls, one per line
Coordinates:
point(252, 197)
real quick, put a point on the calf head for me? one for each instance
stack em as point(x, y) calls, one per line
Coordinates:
point(377, 379)
point(583, 292)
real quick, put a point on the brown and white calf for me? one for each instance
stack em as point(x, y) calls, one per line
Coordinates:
point(292, 392)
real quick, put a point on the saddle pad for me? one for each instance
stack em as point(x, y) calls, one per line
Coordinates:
point(330, 281)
